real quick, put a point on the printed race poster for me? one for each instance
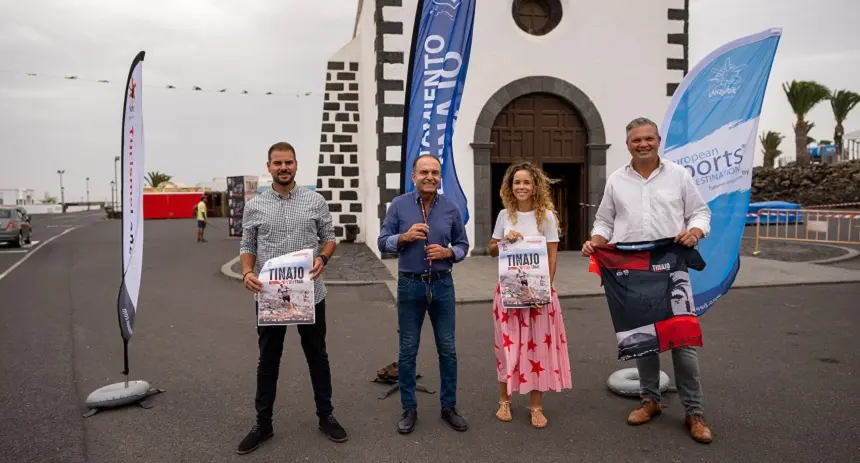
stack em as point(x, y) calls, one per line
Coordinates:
point(288, 291)
point(524, 273)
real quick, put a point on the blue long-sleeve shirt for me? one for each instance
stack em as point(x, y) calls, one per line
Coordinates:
point(446, 228)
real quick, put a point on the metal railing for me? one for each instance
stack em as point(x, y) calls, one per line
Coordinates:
point(807, 225)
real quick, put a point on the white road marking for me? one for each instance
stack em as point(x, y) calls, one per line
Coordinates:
point(22, 249)
point(29, 254)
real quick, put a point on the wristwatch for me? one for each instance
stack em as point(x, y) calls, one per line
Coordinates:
point(324, 258)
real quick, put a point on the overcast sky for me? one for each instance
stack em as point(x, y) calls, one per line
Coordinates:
point(49, 123)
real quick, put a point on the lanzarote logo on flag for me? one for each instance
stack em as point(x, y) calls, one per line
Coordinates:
point(726, 79)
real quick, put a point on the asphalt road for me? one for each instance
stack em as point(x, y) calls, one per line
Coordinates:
point(45, 227)
point(780, 371)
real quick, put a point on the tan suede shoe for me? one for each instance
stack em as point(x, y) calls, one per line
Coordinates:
point(698, 429)
point(644, 413)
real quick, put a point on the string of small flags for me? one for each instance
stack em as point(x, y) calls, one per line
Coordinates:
point(194, 88)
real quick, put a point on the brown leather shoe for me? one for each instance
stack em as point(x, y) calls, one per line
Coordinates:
point(644, 413)
point(698, 429)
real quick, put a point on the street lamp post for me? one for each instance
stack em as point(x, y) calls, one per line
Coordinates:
point(112, 200)
point(116, 180)
point(62, 191)
point(88, 193)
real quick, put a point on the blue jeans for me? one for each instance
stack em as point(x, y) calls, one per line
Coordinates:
point(411, 307)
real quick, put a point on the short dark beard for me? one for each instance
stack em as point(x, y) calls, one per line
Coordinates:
point(279, 182)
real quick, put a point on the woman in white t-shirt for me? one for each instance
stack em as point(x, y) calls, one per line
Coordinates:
point(530, 344)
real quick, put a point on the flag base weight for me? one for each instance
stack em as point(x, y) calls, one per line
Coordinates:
point(120, 394)
point(625, 382)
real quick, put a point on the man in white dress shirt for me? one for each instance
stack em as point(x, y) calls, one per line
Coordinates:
point(648, 199)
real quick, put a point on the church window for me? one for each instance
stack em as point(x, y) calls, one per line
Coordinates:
point(537, 17)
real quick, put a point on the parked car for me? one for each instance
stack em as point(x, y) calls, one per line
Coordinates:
point(15, 226)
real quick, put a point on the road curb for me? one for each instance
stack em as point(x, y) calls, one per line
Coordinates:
point(849, 254)
point(228, 271)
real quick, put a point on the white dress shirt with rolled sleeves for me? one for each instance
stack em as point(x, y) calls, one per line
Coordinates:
point(634, 208)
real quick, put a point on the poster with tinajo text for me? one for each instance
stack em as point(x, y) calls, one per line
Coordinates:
point(524, 273)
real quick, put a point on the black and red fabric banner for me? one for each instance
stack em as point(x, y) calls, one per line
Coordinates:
point(647, 286)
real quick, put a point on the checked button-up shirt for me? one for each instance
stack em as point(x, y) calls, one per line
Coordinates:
point(274, 225)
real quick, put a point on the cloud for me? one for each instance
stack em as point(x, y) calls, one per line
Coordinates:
point(48, 123)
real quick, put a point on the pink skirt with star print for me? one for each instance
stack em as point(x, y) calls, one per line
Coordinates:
point(531, 347)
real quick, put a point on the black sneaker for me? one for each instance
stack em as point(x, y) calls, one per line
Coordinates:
point(257, 436)
point(332, 429)
point(453, 418)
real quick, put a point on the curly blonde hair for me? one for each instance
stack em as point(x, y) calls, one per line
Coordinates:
point(542, 197)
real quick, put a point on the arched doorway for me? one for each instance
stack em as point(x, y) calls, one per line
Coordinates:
point(593, 171)
point(546, 130)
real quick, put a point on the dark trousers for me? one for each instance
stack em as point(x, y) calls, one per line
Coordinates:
point(271, 340)
point(411, 309)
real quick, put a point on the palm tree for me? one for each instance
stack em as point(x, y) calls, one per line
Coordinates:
point(803, 96)
point(156, 178)
point(842, 102)
point(770, 146)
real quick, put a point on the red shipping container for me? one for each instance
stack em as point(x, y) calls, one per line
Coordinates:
point(179, 205)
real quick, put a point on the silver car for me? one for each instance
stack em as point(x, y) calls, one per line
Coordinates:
point(15, 226)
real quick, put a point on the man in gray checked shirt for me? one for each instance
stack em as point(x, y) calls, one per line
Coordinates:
point(285, 219)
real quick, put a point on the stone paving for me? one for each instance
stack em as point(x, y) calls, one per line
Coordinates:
point(476, 276)
point(780, 263)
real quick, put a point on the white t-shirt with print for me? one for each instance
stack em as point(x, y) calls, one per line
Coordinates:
point(527, 225)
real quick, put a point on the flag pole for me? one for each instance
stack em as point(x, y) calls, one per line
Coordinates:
point(125, 360)
point(410, 64)
point(129, 190)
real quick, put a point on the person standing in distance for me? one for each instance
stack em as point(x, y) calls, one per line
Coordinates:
point(426, 230)
point(649, 199)
point(201, 218)
point(285, 219)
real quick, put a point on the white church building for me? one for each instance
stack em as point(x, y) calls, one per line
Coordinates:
point(550, 81)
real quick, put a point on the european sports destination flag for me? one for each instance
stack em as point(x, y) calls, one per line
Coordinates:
point(710, 129)
point(439, 58)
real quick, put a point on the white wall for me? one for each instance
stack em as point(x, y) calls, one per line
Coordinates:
point(57, 209)
point(367, 140)
point(616, 55)
point(11, 196)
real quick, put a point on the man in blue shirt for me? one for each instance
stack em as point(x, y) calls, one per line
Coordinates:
point(426, 230)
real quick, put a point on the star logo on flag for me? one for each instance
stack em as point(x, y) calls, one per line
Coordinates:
point(132, 94)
